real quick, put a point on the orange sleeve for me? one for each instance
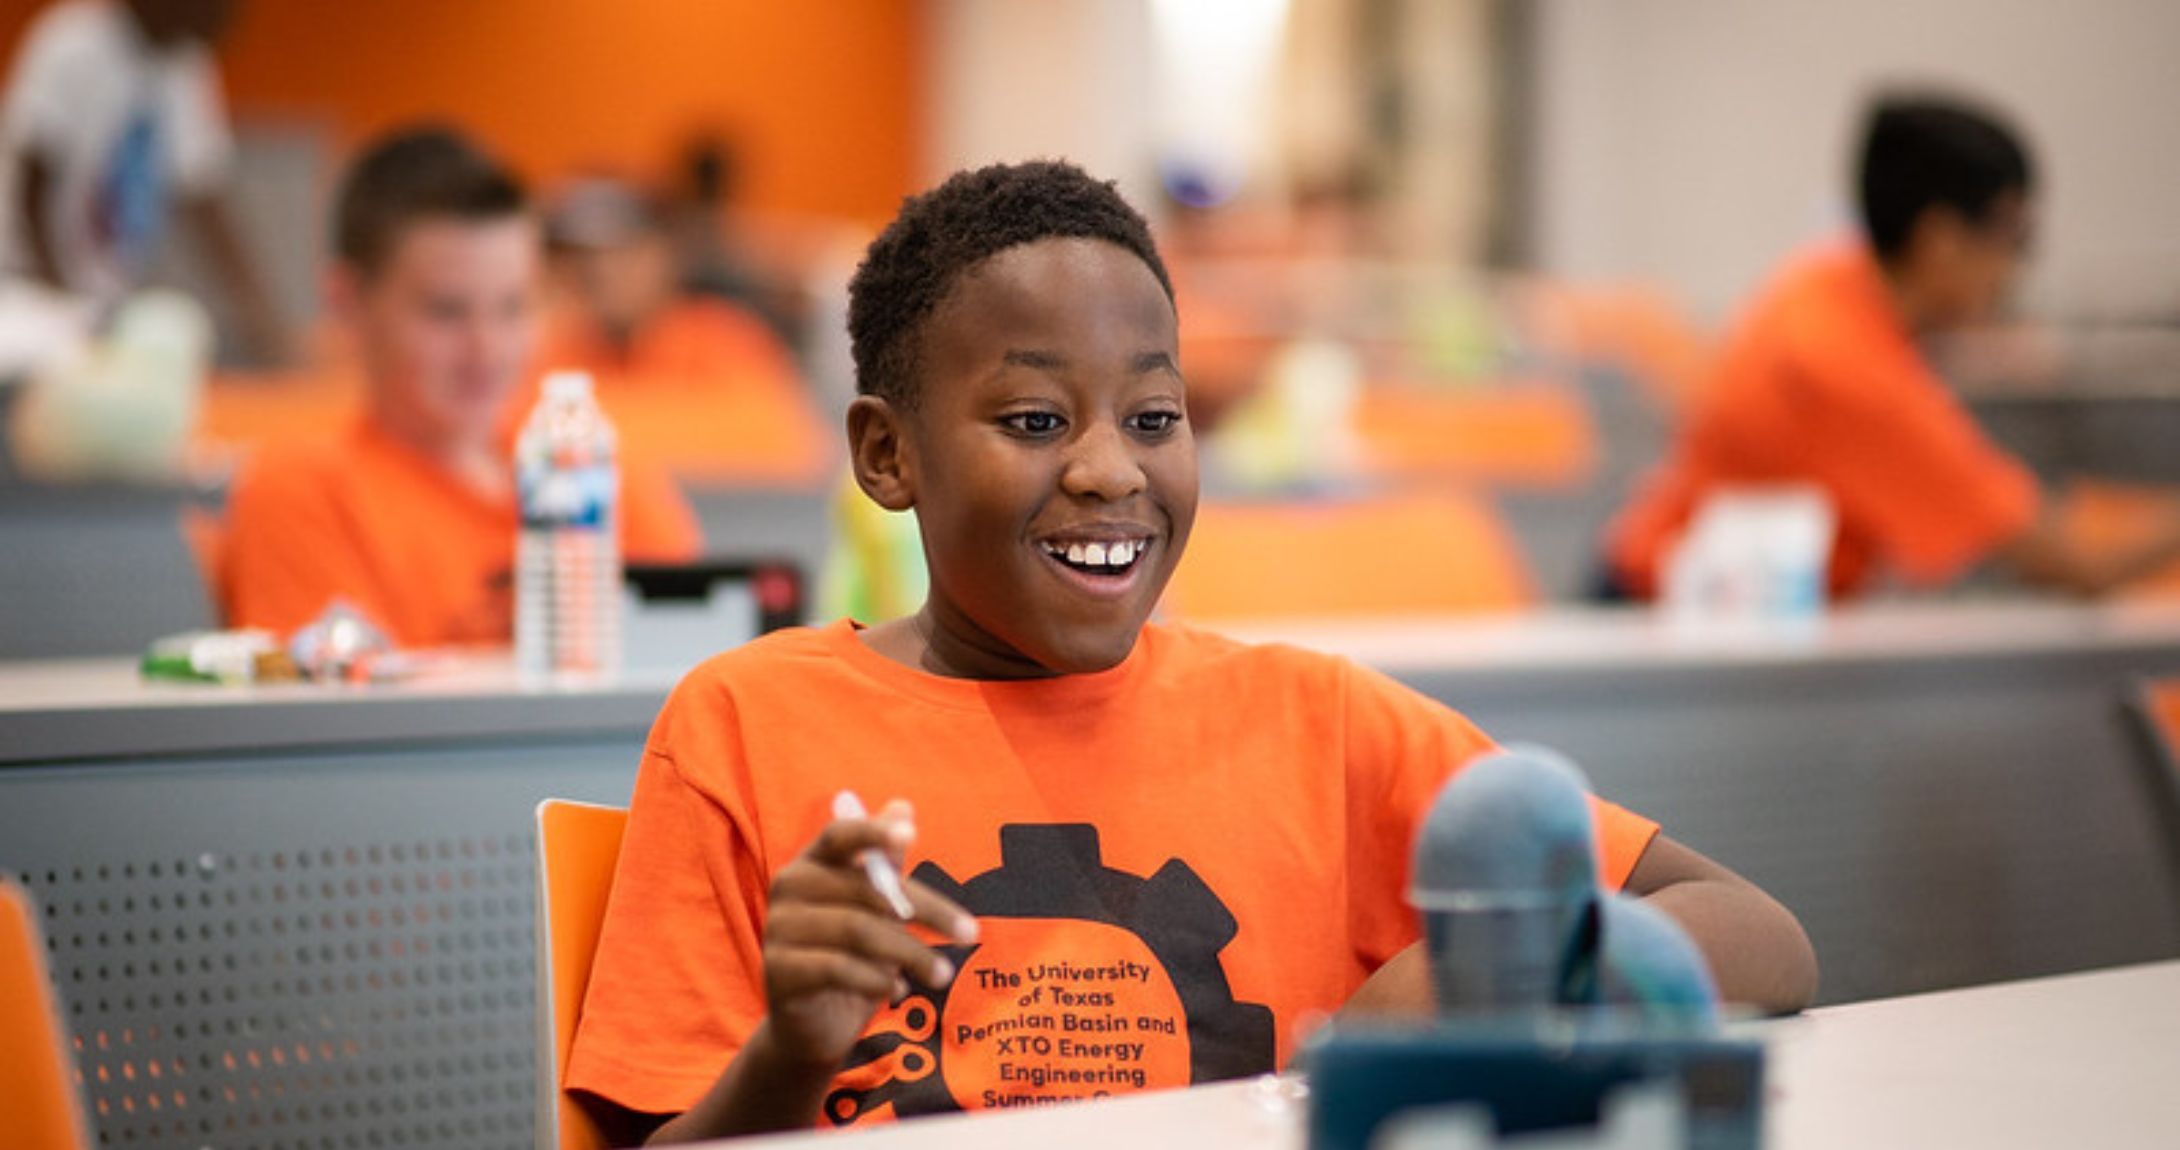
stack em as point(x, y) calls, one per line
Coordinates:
point(287, 550)
point(1622, 837)
point(1907, 460)
point(678, 981)
point(657, 524)
point(1403, 746)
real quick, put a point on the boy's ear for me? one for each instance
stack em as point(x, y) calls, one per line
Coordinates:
point(878, 450)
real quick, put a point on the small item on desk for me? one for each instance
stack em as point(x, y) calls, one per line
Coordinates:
point(341, 644)
point(1752, 554)
point(846, 805)
point(229, 657)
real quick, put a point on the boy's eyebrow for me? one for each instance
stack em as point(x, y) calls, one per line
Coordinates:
point(1144, 362)
point(1041, 360)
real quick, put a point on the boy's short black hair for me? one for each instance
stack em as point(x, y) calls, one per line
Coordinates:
point(943, 233)
point(1925, 151)
point(411, 175)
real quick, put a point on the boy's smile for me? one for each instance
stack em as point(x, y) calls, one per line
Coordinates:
point(1049, 461)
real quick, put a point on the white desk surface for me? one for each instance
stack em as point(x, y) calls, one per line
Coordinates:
point(2081, 1060)
point(2084, 1060)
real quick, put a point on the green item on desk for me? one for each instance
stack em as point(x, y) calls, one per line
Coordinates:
point(231, 657)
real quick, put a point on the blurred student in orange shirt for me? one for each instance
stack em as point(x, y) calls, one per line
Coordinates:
point(411, 516)
point(618, 310)
point(1822, 382)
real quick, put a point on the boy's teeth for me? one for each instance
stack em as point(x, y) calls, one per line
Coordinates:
point(1117, 554)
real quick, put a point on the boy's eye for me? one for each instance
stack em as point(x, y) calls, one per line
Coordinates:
point(1157, 422)
point(1033, 422)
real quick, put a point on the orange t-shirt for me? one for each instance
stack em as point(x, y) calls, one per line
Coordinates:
point(1176, 864)
point(1822, 383)
point(425, 556)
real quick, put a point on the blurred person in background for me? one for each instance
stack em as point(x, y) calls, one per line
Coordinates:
point(411, 517)
point(1822, 382)
point(618, 310)
point(113, 116)
point(713, 256)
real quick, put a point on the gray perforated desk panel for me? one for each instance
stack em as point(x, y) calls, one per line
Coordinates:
point(298, 919)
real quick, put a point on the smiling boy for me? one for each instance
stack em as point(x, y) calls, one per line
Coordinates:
point(1139, 855)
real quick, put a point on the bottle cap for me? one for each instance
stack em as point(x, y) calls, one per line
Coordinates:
point(564, 385)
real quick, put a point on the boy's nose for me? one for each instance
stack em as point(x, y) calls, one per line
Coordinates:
point(1102, 466)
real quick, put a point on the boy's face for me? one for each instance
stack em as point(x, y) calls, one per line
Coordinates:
point(446, 325)
point(1051, 430)
point(1974, 261)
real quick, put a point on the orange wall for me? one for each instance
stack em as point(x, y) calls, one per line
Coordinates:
point(825, 96)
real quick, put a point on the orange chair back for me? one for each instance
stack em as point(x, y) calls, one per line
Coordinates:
point(577, 845)
point(2156, 704)
point(1525, 435)
point(2160, 703)
point(1411, 554)
point(39, 1105)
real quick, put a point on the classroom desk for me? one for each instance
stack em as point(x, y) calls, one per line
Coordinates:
point(1946, 795)
point(287, 915)
point(2081, 1060)
point(345, 873)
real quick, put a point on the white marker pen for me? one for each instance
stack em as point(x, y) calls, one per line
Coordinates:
point(875, 863)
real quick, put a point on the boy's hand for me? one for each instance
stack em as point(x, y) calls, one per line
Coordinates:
point(835, 951)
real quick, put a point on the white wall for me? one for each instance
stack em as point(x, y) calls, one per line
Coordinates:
point(1696, 141)
point(1029, 79)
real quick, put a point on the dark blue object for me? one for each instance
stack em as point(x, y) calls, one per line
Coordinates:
point(1547, 1074)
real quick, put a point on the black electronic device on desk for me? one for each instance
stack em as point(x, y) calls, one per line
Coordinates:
point(1559, 1083)
point(678, 615)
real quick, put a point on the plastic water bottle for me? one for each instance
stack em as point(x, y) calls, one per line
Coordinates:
point(568, 552)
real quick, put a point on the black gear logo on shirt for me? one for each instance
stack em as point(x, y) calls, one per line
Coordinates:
point(1085, 981)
